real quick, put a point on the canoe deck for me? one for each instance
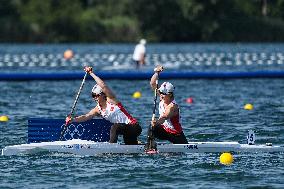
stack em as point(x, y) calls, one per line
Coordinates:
point(84, 147)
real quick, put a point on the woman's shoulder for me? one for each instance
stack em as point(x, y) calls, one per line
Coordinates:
point(173, 105)
point(112, 101)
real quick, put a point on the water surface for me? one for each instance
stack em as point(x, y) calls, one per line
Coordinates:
point(216, 114)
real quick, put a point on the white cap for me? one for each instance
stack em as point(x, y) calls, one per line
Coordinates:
point(97, 89)
point(166, 88)
point(143, 42)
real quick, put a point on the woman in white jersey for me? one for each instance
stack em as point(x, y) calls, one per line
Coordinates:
point(168, 126)
point(112, 110)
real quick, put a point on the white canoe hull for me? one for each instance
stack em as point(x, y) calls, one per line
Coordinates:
point(83, 147)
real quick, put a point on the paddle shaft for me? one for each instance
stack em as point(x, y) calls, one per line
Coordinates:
point(151, 145)
point(74, 104)
point(78, 94)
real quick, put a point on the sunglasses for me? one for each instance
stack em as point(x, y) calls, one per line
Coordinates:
point(95, 95)
point(162, 93)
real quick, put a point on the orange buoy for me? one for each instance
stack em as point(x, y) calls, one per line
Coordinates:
point(68, 54)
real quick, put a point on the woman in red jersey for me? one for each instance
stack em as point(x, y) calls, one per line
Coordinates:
point(112, 110)
point(168, 126)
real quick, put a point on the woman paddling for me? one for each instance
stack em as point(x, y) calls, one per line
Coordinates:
point(168, 126)
point(112, 110)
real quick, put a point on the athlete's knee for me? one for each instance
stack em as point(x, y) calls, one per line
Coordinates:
point(114, 126)
point(113, 133)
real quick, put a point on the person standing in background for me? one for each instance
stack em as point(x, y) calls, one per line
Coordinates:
point(140, 53)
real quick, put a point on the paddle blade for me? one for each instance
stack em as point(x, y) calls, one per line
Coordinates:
point(62, 132)
point(151, 146)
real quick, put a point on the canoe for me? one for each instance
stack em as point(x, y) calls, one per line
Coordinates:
point(91, 148)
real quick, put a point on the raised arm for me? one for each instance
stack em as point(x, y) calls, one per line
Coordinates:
point(154, 78)
point(102, 84)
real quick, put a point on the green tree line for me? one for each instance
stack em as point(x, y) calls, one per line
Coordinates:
point(120, 21)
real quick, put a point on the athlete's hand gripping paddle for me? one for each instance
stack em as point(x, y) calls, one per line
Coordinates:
point(69, 117)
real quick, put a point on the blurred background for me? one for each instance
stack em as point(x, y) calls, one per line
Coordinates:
point(124, 21)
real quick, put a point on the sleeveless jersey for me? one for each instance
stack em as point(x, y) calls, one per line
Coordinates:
point(116, 113)
point(171, 125)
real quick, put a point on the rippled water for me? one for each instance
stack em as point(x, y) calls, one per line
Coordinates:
point(216, 114)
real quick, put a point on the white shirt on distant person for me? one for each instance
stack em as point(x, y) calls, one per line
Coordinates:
point(139, 52)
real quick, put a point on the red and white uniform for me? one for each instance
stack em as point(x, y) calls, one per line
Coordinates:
point(171, 125)
point(116, 113)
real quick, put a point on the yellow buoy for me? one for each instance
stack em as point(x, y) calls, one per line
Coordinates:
point(137, 94)
point(4, 118)
point(248, 107)
point(226, 158)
